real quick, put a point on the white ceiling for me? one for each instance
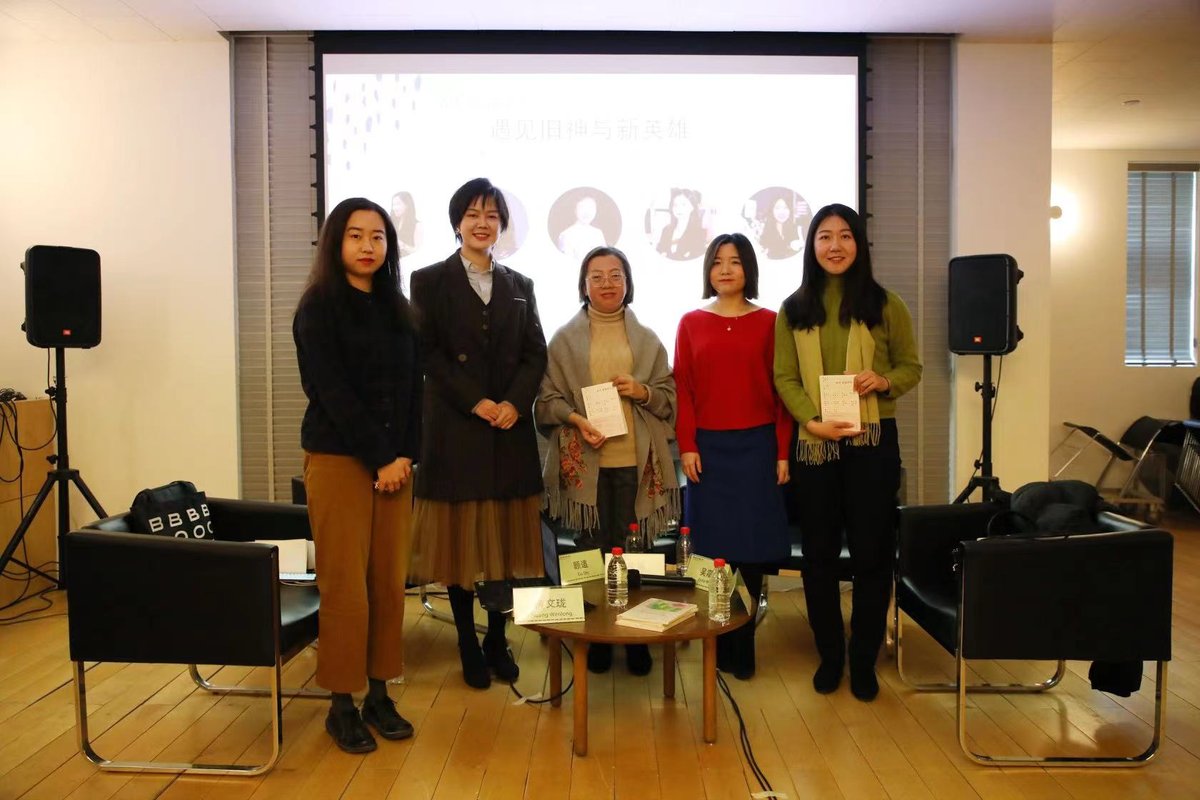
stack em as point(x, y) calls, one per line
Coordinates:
point(1106, 52)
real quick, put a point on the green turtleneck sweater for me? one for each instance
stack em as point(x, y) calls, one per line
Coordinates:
point(896, 355)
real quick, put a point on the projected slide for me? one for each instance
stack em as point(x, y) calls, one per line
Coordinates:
point(652, 154)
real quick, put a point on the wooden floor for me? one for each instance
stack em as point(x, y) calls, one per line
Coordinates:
point(480, 744)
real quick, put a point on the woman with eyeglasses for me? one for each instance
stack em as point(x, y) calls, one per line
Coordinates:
point(595, 484)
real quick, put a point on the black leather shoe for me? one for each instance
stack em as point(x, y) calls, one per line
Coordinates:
point(500, 659)
point(599, 658)
point(349, 732)
point(381, 715)
point(474, 668)
point(637, 659)
point(863, 683)
point(828, 676)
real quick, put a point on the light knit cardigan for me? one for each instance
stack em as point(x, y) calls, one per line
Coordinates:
point(572, 467)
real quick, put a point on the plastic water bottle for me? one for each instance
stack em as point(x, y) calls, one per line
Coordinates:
point(633, 541)
point(617, 581)
point(718, 593)
point(683, 551)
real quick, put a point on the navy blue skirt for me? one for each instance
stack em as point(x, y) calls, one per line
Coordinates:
point(736, 511)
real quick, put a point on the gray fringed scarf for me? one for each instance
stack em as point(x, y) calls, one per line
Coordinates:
point(572, 466)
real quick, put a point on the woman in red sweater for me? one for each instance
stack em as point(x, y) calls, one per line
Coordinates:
point(733, 431)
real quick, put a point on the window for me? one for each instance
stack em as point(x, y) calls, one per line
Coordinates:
point(1160, 297)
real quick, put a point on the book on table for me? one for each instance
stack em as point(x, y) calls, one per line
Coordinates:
point(656, 615)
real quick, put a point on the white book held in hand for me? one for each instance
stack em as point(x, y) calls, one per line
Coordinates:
point(839, 401)
point(656, 615)
point(603, 407)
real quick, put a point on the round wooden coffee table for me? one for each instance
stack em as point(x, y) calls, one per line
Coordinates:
point(599, 625)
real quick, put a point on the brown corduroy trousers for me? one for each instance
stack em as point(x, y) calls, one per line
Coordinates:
point(362, 544)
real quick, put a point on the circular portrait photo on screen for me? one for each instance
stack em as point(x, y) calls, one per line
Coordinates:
point(677, 224)
point(581, 219)
point(510, 240)
point(778, 218)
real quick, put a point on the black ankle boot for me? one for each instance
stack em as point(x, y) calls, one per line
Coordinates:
point(743, 662)
point(637, 659)
point(495, 649)
point(863, 683)
point(829, 675)
point(474, 667)
point(727, 652)
point(500, 659)
point(599, 657)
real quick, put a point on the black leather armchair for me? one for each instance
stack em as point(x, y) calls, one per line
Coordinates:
point(140, 598)
point(1102, 596)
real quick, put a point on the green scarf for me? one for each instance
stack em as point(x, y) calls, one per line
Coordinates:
point(860, 355)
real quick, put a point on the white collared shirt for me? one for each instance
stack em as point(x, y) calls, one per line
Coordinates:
point(481, 282)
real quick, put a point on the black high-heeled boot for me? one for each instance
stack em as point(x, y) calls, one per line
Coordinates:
point(474, 667)
point(495, 649)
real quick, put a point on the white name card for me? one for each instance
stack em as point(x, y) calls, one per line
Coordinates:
point(586, 565)
point(645, 563)
point(547, 605)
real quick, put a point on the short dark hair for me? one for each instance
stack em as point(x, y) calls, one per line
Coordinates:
point(745, 252)
point(605, 250)
point(478, 189)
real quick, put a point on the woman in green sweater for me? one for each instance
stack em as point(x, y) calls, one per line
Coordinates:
point(842, 322)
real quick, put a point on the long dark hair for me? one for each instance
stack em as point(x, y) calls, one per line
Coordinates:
point(328, 274)
point(862, 296)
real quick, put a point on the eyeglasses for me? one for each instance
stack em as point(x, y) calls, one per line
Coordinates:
point(615, 279)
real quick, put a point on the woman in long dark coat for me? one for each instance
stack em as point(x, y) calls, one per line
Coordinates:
point(479, 487)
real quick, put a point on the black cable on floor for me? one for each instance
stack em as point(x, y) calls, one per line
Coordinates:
point(552, 698)
point(747, 749)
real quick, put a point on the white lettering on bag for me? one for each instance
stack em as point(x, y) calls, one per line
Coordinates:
point(156, 524)
point(193, 515)
point(174, 520)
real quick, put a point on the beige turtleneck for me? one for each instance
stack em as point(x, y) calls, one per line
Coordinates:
point(611, 355)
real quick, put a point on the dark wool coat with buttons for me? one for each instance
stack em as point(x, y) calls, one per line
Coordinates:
point(471, 351)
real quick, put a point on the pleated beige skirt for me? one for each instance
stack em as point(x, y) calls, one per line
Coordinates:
point(474, 540)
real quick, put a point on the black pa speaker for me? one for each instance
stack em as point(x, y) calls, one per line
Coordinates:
point(983, 305)
point(62, 296)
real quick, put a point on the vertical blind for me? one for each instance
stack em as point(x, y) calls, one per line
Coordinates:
point(274, 206)
point(1160, 277)
point(908, 172)
point(908, 198)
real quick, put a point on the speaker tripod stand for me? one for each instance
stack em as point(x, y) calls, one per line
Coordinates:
point(61, 476)
point(985, 480)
